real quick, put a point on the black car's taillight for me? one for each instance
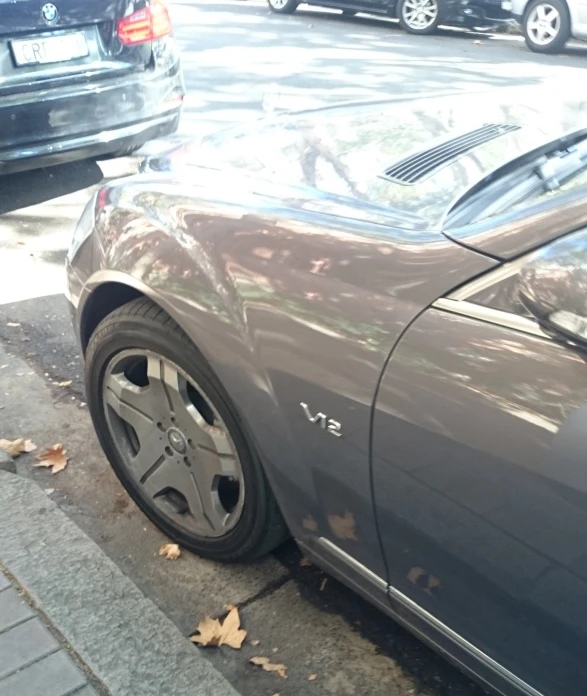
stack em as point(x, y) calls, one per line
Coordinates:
point(148, 24)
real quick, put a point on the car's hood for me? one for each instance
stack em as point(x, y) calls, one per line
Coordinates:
point(452, 143)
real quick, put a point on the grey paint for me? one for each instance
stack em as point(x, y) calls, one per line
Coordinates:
point(483, 490)
point(295, 291)
point(288, 307)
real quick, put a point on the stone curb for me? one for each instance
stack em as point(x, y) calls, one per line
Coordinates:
point(125, 640)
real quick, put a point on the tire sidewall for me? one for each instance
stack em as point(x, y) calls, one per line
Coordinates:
point(564, 34)
point(128, 333)
point(289, 7)
point(417, 32)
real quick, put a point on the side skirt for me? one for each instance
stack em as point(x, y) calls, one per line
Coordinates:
point(411, 616)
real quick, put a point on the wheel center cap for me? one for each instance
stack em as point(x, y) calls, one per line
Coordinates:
point(177, 440)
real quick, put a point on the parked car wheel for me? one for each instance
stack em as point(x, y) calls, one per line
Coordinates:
point(283, 6)
point(547, 26)
point(418, 16)
point(174, 439)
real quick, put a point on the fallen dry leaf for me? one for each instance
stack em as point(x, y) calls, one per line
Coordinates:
point(54, 457)
point(312, 677)
point(274, 650)
point(170, 551)
point(12, 324)
point(268, 666)
point(305, 563)
point(64, 384)
point(310, 523)
point(214, 634)
point(343, 527)
point(323, 584)
point(16, 447)
point(254, 642)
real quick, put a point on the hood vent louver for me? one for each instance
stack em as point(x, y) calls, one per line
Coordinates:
point(423, 164)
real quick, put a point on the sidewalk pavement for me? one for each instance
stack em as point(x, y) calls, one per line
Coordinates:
point(32, 660)
point(71, 623)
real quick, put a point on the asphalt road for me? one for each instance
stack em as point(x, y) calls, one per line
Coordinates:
point(239, 61)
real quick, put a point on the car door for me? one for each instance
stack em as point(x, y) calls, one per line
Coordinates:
point(480, 487)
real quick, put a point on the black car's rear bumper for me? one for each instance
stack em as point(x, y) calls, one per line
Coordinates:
point(89, 118)
point(476, 13)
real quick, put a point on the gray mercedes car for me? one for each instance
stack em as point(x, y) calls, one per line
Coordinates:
point(365, 327)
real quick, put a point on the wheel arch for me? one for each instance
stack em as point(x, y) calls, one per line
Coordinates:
point(105, 299)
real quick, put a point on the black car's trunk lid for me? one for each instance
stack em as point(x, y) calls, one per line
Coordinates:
point(45, 45)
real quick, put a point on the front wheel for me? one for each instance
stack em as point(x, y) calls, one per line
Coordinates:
point(283, 6)
point(174, 438)
point(547, 26)
point(419, 16)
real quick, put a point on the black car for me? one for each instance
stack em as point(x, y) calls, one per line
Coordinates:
point(84, 78)
point(419, 16)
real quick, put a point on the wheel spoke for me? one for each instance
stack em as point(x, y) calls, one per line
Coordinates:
point(149, 457)
point(198, 491)
point(131, 403)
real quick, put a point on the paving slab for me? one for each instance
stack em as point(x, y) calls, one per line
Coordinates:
point(13, 609)
point(54, 675)
point(24, 644)
point(123, 638)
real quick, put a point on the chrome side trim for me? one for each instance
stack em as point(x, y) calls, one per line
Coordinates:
point(491, 316)
point(429, 618)
point(348, 560)
point(486, 281)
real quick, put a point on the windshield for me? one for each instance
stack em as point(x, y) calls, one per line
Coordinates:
point(558, 168)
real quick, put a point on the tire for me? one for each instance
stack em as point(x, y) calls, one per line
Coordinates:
point(126, 152)
point(283, 6)
point(419, 16)
point(555, 18)
point(141, 325)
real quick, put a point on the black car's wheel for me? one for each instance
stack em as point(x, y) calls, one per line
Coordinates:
point(284, 6)
point(418, 16)
point(174, 439)
point(125, 152)
point(547, 26)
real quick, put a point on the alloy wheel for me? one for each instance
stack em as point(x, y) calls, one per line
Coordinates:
point(278, 4)
point(173, 442)
point(419, 15)
point(543, 24)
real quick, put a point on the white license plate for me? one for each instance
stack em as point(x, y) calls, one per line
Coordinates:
point(52, 49)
